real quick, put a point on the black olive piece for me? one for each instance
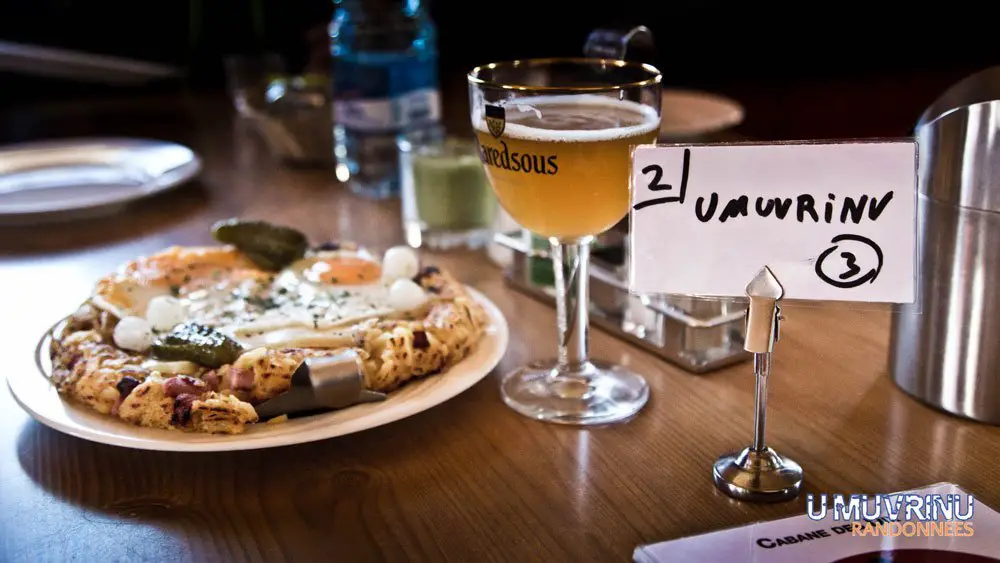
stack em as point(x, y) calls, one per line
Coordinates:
point(126, 385)
point(182, 409)
point(420, 341)
point(425, 273)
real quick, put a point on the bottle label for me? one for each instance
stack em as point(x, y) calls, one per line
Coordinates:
point(389, 114)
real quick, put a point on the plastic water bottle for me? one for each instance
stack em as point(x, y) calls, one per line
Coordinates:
point(385, 82)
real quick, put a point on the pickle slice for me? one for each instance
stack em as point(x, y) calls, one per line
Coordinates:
point(271, 247)
point(196, 343)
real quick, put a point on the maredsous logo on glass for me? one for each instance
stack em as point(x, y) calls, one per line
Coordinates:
point(496, 121)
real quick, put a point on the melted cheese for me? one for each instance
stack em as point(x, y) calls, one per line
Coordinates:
point(289, 309)
point(292, 308)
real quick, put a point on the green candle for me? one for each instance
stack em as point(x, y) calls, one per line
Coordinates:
point(447, 198)
point(451, 188)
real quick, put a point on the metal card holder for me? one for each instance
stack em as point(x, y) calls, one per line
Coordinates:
point(698, 335)
point(757, 473)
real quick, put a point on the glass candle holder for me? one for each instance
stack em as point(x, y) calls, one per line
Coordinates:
point(447, 201)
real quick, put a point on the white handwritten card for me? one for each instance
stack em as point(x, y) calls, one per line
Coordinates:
point(833, 221)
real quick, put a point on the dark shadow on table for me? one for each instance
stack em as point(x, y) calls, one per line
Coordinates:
point(354, 476)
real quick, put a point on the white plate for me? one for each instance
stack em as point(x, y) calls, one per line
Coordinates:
point(39, 398)
point(687, 113)
point(73, 178)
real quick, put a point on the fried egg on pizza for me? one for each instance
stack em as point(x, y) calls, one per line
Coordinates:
point(191, 338)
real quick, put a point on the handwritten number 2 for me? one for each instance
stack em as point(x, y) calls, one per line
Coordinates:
point(655, 184)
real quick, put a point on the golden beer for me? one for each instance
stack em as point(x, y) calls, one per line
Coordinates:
point(560, 164)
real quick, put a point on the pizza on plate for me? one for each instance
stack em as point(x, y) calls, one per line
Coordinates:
point(191, 338)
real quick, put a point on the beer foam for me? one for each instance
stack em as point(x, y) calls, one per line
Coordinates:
point(650, 123)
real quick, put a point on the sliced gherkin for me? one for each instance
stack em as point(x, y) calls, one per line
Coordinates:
point(197, 343)
point(271, 247)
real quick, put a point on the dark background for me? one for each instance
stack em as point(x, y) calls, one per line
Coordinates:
point(836, 60)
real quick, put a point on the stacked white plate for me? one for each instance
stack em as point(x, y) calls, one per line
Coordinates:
point(75, 178)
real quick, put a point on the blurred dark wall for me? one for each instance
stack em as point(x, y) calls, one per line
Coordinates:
point(808, 69)
point(699, 43)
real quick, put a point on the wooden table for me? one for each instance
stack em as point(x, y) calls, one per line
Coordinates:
point(469, 480)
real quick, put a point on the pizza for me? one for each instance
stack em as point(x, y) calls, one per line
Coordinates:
point(193, 337)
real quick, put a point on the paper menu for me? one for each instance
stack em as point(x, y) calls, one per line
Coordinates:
point(818, 541)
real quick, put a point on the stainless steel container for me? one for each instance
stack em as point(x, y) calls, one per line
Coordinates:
point(945, 348)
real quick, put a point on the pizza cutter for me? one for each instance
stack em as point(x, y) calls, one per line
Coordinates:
point(322, 384)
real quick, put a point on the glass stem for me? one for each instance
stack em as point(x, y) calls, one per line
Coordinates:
point(570, 261)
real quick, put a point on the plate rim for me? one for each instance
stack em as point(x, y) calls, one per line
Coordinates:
point(166, 181)
point(500, 331)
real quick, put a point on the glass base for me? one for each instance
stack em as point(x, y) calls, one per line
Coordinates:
point(600, 393)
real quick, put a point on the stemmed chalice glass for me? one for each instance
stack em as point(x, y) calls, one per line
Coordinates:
point(555, 137)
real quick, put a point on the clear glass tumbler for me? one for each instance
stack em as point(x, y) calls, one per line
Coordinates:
point(247, 78)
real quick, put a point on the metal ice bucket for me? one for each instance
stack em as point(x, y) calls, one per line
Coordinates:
point(945, 348)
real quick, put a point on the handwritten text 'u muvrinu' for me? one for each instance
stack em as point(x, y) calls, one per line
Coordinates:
point(847, 209)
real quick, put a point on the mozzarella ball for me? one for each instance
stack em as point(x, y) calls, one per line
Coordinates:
point(399, 262)
point(165, 312)
point(406, 295)
point(134, 334)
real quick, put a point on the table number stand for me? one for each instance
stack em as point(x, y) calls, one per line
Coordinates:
point(758, 473)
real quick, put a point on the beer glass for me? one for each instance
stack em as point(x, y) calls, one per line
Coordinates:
point(554, 138)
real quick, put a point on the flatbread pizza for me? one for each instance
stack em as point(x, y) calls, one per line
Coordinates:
point(191, 338)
